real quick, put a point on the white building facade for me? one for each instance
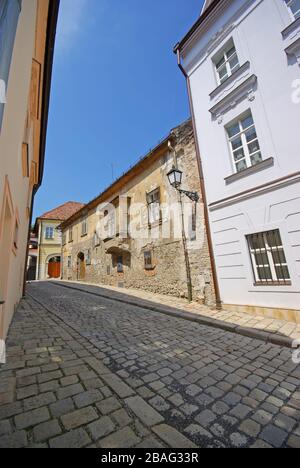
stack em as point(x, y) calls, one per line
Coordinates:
point(242, 63)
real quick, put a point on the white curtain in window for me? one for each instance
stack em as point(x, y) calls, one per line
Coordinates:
point(9, 15)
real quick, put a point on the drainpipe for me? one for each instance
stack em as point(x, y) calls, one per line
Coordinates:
point(203, 190)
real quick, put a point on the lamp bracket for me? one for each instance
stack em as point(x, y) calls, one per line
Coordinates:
point(194, 196)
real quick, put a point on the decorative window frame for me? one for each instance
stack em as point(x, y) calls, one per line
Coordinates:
point(268, 250)
point(245, 90)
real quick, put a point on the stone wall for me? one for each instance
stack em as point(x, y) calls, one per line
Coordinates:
point(168, 275)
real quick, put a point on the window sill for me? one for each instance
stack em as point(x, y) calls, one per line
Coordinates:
point(275, 283)
point(150, 268)
point(229, 80)
point(83, 235)
point(290, 28)
point(249, 171)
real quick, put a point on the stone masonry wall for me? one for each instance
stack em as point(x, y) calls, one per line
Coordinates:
point(169, 273)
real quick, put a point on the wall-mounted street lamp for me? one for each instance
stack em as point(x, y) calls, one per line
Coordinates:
point(175, 179)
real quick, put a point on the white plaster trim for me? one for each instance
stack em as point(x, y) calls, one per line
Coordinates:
point(256, 192)
point(294, 49)
point(244, 90)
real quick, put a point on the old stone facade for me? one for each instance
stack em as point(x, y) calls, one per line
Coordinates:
point(147, 250)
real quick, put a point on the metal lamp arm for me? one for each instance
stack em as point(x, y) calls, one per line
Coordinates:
point(194, 196)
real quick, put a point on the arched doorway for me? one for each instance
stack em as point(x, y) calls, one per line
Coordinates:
point(80, 266)
point(53, 269)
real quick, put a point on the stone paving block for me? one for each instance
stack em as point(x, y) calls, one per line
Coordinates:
point(32, 418)
point(25, 381)
point(51, 386)
point(206, 418)
point(240, 411)
point(250, 427)
point(46, 431)
point(109, 405)
point(43, 399)
point(25, 392)
point(49, 376)
point(238, 440)
point(198, 432)
point(261, 444)
point(5, 427)
point(284, 422)
point(28, 372)
point(73, 439)
point(79, 418)
point(16, 440)
point(101, 428)
point(118, 386)
point(293, 442)
point(6, 398)
point(176, 399)
point(69, 371)
point(121, 417)
point(149, 443)
point(62, 407)
point(172, 437)
point(71, 380)
point(69, 391)
point(87, 398)
point(158, 385)
point(125, 438)
point(159, 403)
point(143, 411)
point(274, 436)
point(189, 409)
point(220, 408)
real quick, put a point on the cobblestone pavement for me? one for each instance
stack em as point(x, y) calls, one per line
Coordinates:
point(272, 326)
point(87, 371)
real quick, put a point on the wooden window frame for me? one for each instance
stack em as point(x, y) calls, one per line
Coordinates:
point(148, 266)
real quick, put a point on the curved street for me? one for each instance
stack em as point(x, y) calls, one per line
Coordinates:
point(88, 371)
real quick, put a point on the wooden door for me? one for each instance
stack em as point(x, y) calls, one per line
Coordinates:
point(54, 269)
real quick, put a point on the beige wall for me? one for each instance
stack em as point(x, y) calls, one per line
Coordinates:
point(19, 127)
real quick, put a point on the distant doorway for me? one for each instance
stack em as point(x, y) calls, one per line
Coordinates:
point(54, 267)
point(80, 266)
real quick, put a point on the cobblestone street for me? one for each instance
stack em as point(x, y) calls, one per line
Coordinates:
point(85, 371)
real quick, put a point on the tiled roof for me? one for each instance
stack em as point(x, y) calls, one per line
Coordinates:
point(63, 212)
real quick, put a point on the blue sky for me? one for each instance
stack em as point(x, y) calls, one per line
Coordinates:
point(116, 91)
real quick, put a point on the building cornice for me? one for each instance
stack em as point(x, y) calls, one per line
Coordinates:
point(256, 191)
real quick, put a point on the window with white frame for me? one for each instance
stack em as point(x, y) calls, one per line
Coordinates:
point(294, 6)
point(243, 142)
point(153, 201)
point(268, 258)
point(226, 62)
point(49, 233)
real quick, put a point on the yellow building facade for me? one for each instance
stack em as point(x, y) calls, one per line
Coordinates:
point(28, 31)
